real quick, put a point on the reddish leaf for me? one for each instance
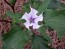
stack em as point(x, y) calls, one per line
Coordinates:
point(8, 1)
point(27, 45)
point(26, 1)
point(56, 43)
point(6, 25)
point(1, 44)
point(63, 42)
point(18, 6)
point(62, 1)
point(2, 7)
point(7, 7)
point(1, 27)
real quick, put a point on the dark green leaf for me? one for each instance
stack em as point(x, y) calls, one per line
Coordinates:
point(39, 42)
point(56, 21)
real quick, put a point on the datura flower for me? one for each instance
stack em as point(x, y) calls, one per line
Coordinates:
point(32, 19)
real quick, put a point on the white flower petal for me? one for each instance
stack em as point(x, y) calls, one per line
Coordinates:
point(25, 16)
point(33, 13)
point(34, 16)
point(36, 26)
point(27, 24)
point(39, 18)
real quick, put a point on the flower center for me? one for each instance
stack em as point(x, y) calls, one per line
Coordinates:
point(32, 20)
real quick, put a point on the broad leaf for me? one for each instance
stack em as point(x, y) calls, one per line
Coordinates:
point(16, 38)
point(39, 42)
point(56, 21)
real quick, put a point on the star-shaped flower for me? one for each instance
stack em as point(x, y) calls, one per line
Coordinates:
point(32, 19)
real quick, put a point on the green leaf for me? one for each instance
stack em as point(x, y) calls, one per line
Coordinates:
point(56, 21)
point(43, 6)
point(16, 38)
point(56, 5)
point(15, 16)
point(12, 2)
point(39, 42)
point(42, 30)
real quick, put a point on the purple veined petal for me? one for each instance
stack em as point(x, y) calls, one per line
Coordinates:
point(25, 16)
point(35, 16)
point(32, 19)
point(27, 24)
point(29, 15)
point(39, 18)
point(33, 13)
point(36, 26)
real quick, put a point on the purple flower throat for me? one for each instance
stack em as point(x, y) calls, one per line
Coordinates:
point(32, 20)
